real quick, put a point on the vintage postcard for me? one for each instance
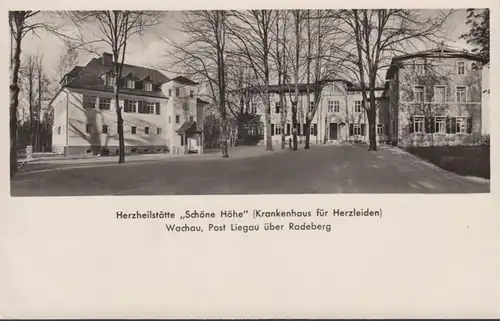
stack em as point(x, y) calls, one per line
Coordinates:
point(250, 160)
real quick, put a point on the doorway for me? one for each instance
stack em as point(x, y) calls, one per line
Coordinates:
point(333, 131)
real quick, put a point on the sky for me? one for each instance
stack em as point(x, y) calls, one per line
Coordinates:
point(150, 50)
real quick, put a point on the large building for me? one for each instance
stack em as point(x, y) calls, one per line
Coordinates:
point(435, 98)
point(339, 117)
point(159, 114)
point(432, 97)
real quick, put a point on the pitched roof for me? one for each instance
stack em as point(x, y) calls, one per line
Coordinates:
point(432, 53)
point(89, 77)
point(184, 80)
point(201, 101)
point(190, 127)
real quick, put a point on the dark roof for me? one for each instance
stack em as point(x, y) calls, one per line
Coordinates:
point(190, 127)
point(433, 53)
point(303, 87)
point(201, 101)
point(89, 77)
point(73, 73)
point(184, 80)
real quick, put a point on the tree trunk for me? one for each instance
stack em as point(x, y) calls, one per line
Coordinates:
point(372, 118)
point(307, 132)
point(14, 95)
point(223, 131)
point(372, 124)
point(267, 115)
point(325, 139)
point(294, 124)
point(119, 118)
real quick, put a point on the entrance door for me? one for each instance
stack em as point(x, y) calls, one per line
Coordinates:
point(333, 131)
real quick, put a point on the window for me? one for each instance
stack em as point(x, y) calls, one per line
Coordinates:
point(150, 107)
point(158, 131)
point(278, 129)
point(420, 70)
point(177, 92)
point(59, 130)
point(461, 125)
point(191, 93)
point(418, 94)
point(133, 129)
point(110, 80)
point(313, 130)
point(440, 94)
point(170, 93)
point(88, 128)
point(146, 130)
point(89, 101)
point(191, 118)
point(380, 129)
point(177, 119)
point(253, 108)
point(461, 67)
point(440, 124)
point(148, 86)
point(104, 129)
point(131, 83)
point(357, 129)
point(461, 94)
point(104, 103)
point(357, 106)
point(418, 124)
point(330, 106)
point(336, 106)
point(130, 106)
point(277, 107)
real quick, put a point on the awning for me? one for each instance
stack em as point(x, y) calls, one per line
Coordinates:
point(189, 127)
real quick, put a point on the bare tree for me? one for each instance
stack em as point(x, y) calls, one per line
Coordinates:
point(20, 24)
point(67, 61)
point(115, 29)
point(296, 62)
point(43, 96)
point(379, 35)
point(251, 34)
point(28, 77)
point(203, 55)
point(323, 48)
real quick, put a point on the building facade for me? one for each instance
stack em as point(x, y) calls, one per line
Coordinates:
point(434, 98)
point(159, 114)
point(339, 116)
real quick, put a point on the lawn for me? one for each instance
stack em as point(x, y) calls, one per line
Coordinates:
point(463, 160)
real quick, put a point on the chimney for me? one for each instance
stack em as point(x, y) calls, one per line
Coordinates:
point(107, 59)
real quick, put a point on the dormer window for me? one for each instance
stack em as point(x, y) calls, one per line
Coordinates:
point(148, 86)
point(461, 67)
point(109, 79)
point(131, 84)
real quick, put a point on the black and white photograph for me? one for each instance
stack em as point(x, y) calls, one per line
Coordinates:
point(268, 101)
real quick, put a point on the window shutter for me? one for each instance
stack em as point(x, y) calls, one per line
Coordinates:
point(411, 125)
point(315, 130)
point(157, 108)
point(453, 125)
point(433, 124)
point(272, 129)
point(469, 125)
point(351, 129)
point(288, 129)
point(448, 125)
point(125, 105)
point(363, 129)
point(427, 125)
